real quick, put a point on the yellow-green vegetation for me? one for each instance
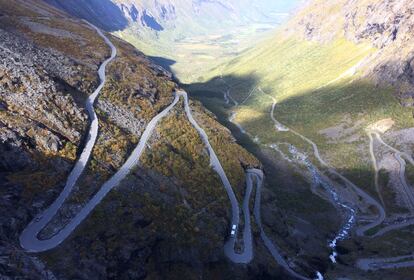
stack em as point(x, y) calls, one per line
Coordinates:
point(190, 55)
point(233, 157)
point(409, 173)
point(79, 41)
point(68, 151)
point(316, 87)
point(92, 45)
point(131, 81)
point(18, 117)
point(113, 145)
point(389, 194)
point(177, 151)
point(111, 150)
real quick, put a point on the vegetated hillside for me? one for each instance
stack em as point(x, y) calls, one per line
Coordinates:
point(386, 25)
point(339, 70)
point(193, 15)
point(186, 36)
point(168, 219)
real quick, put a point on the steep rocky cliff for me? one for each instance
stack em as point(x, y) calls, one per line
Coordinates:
point(386, 25)
point(168, 218)
point(195, 15)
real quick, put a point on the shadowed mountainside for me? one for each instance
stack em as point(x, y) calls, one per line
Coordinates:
point(103, 13)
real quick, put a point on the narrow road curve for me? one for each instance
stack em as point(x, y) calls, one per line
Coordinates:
point(257, 175)
point(369, 199)
point(375, 165)
point(381, 212)
point(407, 156)
point(394, 226)
point(228, 98)
point(409, 193)
point(28, 238)
point(278, 125)
point(247, 254)
point(386, 263)
point(274, 251)
point(217, 167)
point(399, 261)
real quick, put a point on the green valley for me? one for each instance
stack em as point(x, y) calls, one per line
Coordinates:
point(207, 139)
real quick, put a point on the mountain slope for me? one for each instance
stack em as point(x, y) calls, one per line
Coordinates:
point(172, 15)
point(185, 36)
point(319, 90)
point(168, 218)
point(387, 26)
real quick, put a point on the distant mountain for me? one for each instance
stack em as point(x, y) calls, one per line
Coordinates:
point(197, 15)
point(103, 13)
point(385, 25)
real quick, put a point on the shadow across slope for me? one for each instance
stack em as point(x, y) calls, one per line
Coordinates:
point(102, 13)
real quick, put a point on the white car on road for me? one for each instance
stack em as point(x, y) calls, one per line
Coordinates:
point(233, 230)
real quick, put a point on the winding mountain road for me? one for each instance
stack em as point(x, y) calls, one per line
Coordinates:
point(274, 251)
point(359, 191)
point(369, 199)
point(394, 226)
point(278, 125)
point(408, 190)
point(386, 263)
point(375, 165)
point(228, 98)
point(28, 238)
point(381, 212)
point(30, 241)
point(399, 261)
point(247, 255)
point(229, 249)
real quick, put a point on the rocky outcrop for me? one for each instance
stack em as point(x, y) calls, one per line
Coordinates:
point(103, 13)
point(166, 15)
point(27, 88)
point(380, 22)
point(386, 25)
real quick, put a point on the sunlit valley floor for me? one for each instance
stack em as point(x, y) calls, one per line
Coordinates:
point(191, 56)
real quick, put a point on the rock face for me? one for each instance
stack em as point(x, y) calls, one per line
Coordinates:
point(27, 84)
point(162, 221)
point(157, 16)
point(103, 13)
point(386, 25)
